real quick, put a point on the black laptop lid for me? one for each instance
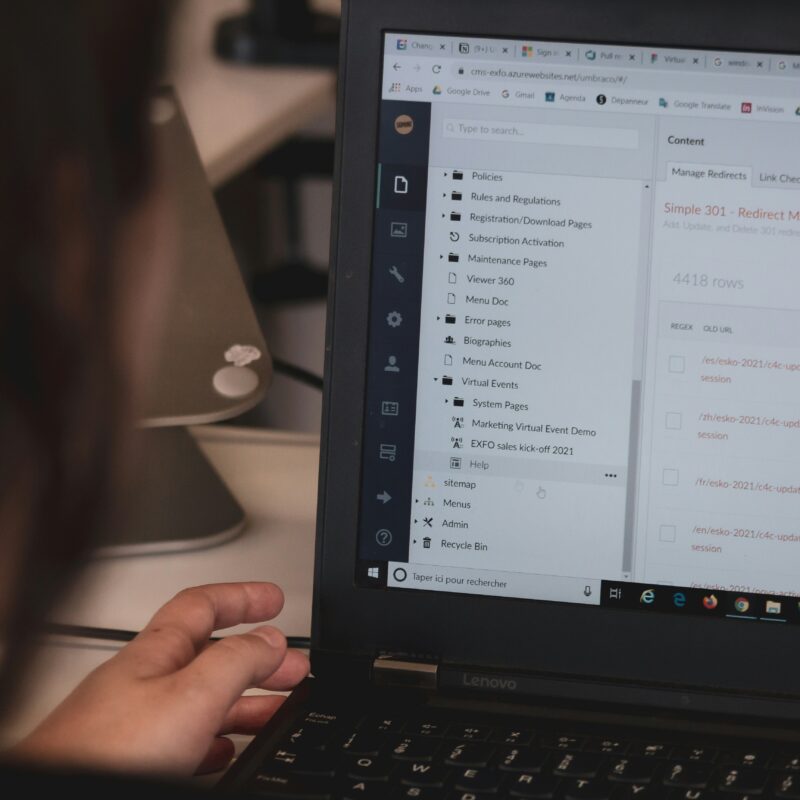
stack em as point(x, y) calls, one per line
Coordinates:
point(563, 402)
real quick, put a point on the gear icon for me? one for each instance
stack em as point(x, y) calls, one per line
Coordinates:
point(394, 319)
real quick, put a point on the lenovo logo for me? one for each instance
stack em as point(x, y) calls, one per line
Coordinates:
point(487, 682)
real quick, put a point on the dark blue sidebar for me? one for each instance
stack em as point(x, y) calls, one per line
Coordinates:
point(393, 355)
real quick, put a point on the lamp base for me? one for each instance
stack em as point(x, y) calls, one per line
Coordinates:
point(177, 503)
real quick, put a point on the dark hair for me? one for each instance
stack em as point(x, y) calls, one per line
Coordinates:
point(74, 82)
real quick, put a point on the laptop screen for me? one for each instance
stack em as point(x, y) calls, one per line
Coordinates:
point(584, 361)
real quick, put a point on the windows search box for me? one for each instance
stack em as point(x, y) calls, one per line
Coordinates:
point(538, 133)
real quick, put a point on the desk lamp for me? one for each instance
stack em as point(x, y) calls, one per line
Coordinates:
point(212, 365)
point(280, 32)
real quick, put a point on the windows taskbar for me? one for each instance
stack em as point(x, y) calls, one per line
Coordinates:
point(738, 605)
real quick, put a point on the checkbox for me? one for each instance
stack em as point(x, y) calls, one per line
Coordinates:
point(674, 421)
point(667, 533)
point(671, 477)
point(677, 365)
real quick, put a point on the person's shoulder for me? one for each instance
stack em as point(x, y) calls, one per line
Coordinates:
point(60, 782)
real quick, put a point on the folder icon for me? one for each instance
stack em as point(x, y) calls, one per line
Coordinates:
point(455, 217)
point(454, 258)
point(458, 402)
point(458, 175)
point(447, 381)
point(450, 319)
point(457, 196)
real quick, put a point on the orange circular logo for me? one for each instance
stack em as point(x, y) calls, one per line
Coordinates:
point(404, 124)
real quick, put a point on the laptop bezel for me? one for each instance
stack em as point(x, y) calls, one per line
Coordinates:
point(655, 650)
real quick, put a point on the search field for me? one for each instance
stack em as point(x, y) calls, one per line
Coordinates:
point(536, 133)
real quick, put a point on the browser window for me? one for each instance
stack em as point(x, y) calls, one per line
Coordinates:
point(585, 347)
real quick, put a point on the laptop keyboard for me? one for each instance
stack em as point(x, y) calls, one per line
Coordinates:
point(327, 756)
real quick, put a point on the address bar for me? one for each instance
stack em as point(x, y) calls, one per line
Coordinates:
point(537, 133)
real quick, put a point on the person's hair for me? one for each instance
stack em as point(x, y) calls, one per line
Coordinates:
point(75, 76)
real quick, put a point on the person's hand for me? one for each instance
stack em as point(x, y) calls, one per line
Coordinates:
point(163, 704)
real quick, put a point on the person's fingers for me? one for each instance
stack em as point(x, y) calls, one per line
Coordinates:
point(249, 714)
point(216, 679)
point(182, 627)
point(294, 668)
point(218, 757)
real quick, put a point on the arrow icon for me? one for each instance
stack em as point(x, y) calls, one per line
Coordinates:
point(396, 67)
point(384, 498)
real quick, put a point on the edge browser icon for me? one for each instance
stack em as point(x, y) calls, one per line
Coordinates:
point(648, 597)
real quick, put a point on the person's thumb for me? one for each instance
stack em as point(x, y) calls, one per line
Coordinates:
point(228, 667)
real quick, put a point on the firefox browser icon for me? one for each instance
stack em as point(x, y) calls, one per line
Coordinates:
point(710, 602)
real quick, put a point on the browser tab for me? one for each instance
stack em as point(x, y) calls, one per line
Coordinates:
point(739, 62)
point(675, 59)
point(405, 45)
point(548, 53)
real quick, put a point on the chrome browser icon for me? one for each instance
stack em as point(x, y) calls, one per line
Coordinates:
point(742, 605)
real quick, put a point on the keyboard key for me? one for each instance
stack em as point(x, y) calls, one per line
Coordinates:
point(368, 768)
point(469, 796)
point(516, 736)
point(639, 791)
point(362, 744)
point(469, 733)
point(598, 745)
point(308, 762)
point(688, 774)
point(692, 794)
point(744, 758)
point(290, 787)
point(522, 759)
point(786, 762)
point(586, 790)
point(477, 780)
point(421, 774)
point(386, 724)
point(309, 737)
point(563, 742)
point(708, 754)
point(541, 787)
point(429, 728)
point(742, 780)
point(632, 770)
point(416, 749)
point(650, 749)
point(363, 790)
point(788, 786)
point(419, 793)
point(578, 765)
point(468, 754)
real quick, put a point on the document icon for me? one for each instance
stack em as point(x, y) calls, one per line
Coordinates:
point(448, 361)
point(400, 184)
point(451, 278)
point(451, 299)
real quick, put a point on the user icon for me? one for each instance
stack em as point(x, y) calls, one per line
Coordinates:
point(392, 365)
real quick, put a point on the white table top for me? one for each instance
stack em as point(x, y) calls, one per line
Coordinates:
point(274, 477)
point(238, 113)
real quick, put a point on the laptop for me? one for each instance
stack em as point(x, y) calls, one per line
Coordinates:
point(559, 511)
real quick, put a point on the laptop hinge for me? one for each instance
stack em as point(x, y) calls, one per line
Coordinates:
point(391, 671)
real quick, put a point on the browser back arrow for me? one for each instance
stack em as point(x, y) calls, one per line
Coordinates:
point(384, 498)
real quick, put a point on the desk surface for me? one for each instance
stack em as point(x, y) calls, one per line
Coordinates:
point(238, 113)
point(274, 477)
